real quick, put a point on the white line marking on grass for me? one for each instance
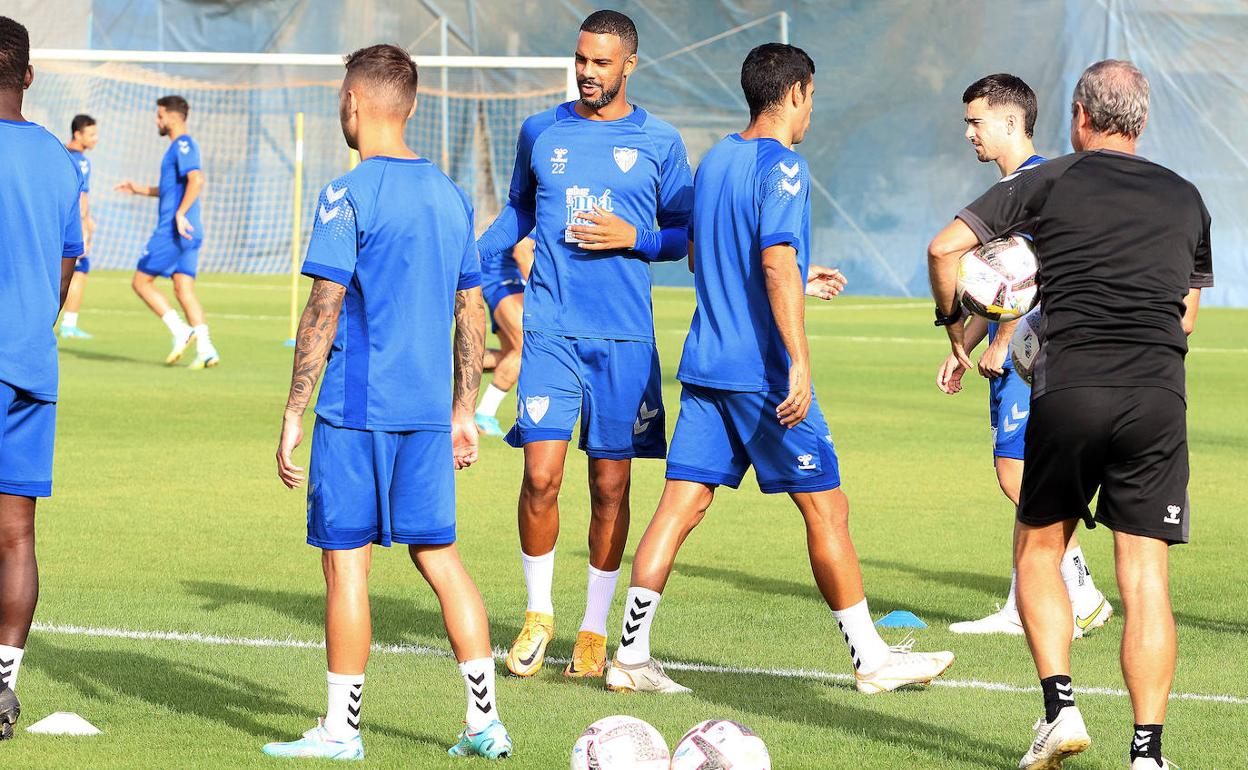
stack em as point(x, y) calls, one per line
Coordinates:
point(702, 668)
point(226, 316)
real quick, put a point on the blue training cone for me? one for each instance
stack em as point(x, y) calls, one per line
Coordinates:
point(901, 619)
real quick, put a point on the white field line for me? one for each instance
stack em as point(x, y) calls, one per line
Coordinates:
point(211, 316)
point(417, 649)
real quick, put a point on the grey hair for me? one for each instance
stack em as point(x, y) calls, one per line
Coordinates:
point(1114, 93)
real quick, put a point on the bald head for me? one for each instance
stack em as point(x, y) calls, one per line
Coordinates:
point(1114, 95)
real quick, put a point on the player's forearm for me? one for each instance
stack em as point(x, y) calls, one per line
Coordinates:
point(523, 255)
point(194, 186)
point(787, 294)
point(317, 328)
point(976, 330)
point(666, 245)
point(469, 348)
point(1191, 306)
point(511, 225)
point(67, 275)
point(943, 254)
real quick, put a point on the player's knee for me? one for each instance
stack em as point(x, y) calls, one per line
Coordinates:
point(608, 494)
point(140, 282)
point(542, 482)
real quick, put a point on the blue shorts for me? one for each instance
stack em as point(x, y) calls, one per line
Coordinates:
point(165, 256)
point(27, 431)
point(721, 433)
point(1009, 404)
point(83, 265)
point(496, 290)
point(613, 386)
point(369, 486)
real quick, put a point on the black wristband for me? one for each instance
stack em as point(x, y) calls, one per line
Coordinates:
point(952, 318)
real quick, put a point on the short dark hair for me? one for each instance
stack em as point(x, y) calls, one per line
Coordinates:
point(1004, 88)
point(79, 123)
point(613, 23)
point(174, 103)
point(769, 71)
point(386, 67)
point(14, 54)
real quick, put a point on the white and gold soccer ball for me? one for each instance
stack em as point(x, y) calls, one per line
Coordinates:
point(997, 280)
point(620, 743)
point(720, 743)
point(1025, 344)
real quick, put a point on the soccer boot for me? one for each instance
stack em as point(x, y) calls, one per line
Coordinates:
point(1097, 616)
point(903, 668)
point(317, 744)
point(1148, 763)
point(73, 333)
point(488, 424)
point(528, 652)
point(1056, 740)
point(10, 710)
point(205, 361)
point(641, 677)
point(180, 343)
point(491, 742)
point(1000, 622)
point(589, 656)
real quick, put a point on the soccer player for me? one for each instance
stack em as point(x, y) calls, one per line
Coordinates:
point(83, 136)
point(747, 398)
point(502, 282)
point(1124, 251)
point(393, 259)
point(1000, 117)
point(609, 189)
point(40, 240)
point(173, 249)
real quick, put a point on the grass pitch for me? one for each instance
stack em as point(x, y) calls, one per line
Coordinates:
point(168, 517)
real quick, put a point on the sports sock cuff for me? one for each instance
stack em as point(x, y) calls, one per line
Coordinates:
point(344, 678)
point(852, 610)
point(1146, 742)
point(1058, 694)
point(538, 559)
point(476, 666)
point(594, 571)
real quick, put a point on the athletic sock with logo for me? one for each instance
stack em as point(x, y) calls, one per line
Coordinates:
point(539, 578)
point(1084, 597)
point(479, 683)
point(342, 715)
point(866, 648)
point(599, 592)
point(639, 609)
point(1058, 694)
point(10, 662)
point(1146, 742)
point(490, 402)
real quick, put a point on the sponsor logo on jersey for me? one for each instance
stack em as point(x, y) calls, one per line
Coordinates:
point(625, 157)
point(559, 160)
point(580, 202)
point(1173, 512)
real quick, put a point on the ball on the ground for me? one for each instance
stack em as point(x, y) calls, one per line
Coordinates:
point(620, 743)
point(720, 743)
point(1025, 345)
point(997, 280)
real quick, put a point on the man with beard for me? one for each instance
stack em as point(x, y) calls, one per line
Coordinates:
point(173, 249)
point(609, 189)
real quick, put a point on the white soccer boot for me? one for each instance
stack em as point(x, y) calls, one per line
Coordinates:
point(181, 341)
point(1097, 614)
point(1002, 621)
point(1145, 763)
point(904, 667)
point(1056, 740)
point(641, 677)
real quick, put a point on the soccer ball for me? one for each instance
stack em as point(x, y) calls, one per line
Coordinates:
point(1025, 345)
point(719, 743)
point(620, 743)
point(998, 279)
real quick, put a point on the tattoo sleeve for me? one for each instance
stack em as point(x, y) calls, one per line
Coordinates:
point(469, 347)
point(316, 333)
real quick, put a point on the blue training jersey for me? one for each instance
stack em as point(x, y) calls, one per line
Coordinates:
point(84, 168)
point(398, 234)
point(748, 195)
point(1032, 162)
point(635, 167)
point(179, 161)
point(39, 226)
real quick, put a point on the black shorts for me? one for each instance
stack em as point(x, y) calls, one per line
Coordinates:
point(1130, 442)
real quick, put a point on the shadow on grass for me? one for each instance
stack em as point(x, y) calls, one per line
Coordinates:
point(93, 355)
point(996, 586)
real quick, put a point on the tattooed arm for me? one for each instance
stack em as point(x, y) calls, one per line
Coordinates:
point(316, 333)
point(469, 354)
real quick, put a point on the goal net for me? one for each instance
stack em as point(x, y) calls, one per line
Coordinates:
point(243, 114)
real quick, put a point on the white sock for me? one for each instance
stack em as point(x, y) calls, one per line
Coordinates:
point(69, 320)
point(342, 716)
point(10, 662)
point(639, 609)
point(479, 682)
point(599, 593)
point(1011, 601)
point(492, 399)
point(176, 325)
point(203, 342)
point(866, 648)
point(1078, 579)
point(539, 576)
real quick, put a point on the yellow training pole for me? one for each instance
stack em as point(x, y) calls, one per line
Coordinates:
point(296, 230)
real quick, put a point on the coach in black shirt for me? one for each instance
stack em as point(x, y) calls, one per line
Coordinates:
point(1123, 245)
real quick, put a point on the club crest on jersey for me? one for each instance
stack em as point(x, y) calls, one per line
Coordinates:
point(184, 146)
point(580, 202)
point(537, 406)
point(625, 157)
